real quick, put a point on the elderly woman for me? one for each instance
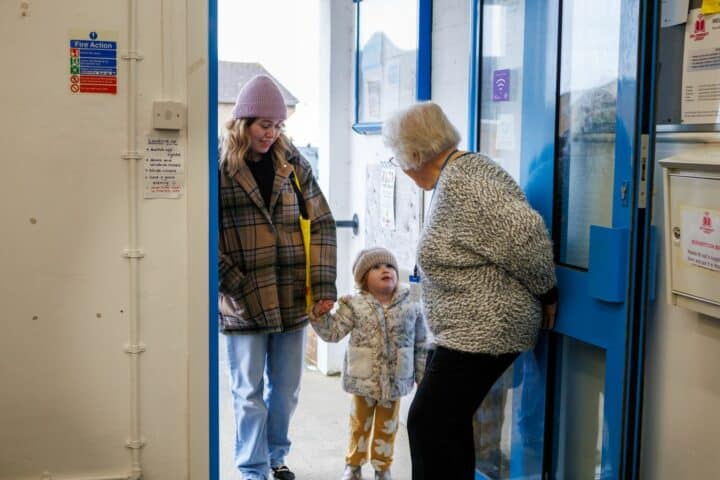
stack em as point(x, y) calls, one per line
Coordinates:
point(487, 276)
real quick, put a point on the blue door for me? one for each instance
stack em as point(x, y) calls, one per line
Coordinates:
point(559, 105)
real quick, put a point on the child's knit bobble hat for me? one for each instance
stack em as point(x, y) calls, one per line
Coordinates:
point(260, 97)
point(370, 257)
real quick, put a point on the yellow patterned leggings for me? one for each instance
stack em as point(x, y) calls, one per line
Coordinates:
point(373, 426)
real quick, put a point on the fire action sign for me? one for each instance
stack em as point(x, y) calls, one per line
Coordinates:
point(93, 62)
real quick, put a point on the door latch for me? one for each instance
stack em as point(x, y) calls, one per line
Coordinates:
point(642, 185)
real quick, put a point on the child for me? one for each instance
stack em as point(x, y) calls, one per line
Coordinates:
point(384, 358)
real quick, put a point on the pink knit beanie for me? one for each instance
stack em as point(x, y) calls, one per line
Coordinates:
point(260, 98)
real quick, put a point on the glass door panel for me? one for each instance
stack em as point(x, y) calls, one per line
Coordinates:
point(491, 428)
point(502, 82)
point(587, 122)
point(502, 433)
point(558, 109)
point(579, 439)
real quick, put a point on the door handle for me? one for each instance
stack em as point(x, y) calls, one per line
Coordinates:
point(354, 224)
point(608, 263)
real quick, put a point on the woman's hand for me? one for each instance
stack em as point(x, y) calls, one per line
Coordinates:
point(549, 313)
point(321, 307)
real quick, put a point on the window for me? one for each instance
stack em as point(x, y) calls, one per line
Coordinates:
point(392, 68)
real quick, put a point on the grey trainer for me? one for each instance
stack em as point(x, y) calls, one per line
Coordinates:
point(352, 473)
point(382, 475)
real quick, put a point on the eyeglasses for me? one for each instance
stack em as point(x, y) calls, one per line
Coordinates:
point(394, 162)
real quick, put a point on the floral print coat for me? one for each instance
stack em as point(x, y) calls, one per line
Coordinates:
point(386, 353)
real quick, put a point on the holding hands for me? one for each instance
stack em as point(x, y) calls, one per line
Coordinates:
point(321, 307)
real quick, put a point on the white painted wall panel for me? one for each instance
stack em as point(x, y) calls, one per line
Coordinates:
point(682, 388)
point(65, 397)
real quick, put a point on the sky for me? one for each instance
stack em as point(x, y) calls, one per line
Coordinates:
point(282, 35)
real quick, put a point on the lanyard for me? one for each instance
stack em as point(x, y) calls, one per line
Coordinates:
point(415, 277)
point(447, 159)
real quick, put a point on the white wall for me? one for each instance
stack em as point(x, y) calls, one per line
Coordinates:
point(65, 286)
point(682, 387)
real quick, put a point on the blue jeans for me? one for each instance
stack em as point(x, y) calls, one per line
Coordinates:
point(265, 371)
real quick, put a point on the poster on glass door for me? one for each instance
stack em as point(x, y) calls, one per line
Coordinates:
point(701, 69)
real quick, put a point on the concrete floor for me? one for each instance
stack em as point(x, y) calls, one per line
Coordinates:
point(318, 430)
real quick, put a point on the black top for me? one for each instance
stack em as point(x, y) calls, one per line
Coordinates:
point(264, 173)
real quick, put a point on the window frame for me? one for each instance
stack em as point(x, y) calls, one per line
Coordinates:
point(423, 63)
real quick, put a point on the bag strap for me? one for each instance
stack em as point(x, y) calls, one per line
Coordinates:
point(298, 194)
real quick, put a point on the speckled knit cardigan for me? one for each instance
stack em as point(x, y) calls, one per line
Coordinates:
point(485, 257)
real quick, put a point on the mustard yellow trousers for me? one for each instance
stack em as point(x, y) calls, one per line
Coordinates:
point(373, 426)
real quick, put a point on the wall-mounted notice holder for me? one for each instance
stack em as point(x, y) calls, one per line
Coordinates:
point(692, 229)
point(687, 73)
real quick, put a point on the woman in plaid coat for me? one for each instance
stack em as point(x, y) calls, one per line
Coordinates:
point(262, 273)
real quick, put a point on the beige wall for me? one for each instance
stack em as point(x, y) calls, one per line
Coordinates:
point(65, 285)
point(682, 387)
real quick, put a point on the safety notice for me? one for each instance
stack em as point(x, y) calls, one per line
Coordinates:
point(701, 237)
point(93, 62)
point(164, 168)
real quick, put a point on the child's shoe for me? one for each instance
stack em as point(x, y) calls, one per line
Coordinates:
point(352, 473)
point(382, 475)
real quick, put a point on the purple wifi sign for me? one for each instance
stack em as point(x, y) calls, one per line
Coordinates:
point(501, 85)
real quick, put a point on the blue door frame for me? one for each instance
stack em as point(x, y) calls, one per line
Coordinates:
point(623, 337)
point(213, 245)
point(593, 308)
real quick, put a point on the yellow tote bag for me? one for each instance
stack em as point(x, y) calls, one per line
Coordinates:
point(305, 230)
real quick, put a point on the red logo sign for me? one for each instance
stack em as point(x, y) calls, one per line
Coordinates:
point(700, 31)
point(707, 227)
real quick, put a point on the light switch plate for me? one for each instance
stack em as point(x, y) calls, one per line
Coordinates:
point(168, 115)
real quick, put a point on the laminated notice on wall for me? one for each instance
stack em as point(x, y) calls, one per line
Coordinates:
point(701, 70)
point(674, 12)
point(407, 200)
point(387, 198)
point(701, 237)
point(164, 168)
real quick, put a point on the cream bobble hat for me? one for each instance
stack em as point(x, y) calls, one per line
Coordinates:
point(370, 257)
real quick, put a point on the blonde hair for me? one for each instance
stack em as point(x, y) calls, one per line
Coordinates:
point(236, 144)
point(422, 128)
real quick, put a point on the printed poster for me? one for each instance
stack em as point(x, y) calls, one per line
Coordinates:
point(700, 238)
point(505, 133)
point(387, 198)
point(164, 168)
point(92, 62)
point(701, 70)
point(674, 12)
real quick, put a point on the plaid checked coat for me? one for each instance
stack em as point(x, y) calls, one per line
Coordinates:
point(262, 258)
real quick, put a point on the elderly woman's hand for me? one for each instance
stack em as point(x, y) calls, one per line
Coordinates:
point(549, 313)
point(321, 307)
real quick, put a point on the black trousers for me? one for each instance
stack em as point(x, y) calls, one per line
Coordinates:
point(440, 418)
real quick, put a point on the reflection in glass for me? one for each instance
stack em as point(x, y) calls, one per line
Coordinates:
point(586, 127)
point(491, 426)
point(501, 89)
point(509, 425)
point(387, 57)
point(581, 426)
